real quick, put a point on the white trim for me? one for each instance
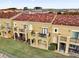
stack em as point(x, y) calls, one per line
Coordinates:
point(75, 30)
point(44, 27)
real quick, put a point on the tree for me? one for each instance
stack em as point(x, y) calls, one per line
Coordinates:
point(25, 8)
point(11, 8)
point(37, 8)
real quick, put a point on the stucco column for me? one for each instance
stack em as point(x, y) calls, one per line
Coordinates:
point(47, 44)
point(26, 35)
point(67, 45)
point(30, 42)
point(36, 39)
point(67, 48)
point(58, 43)
point(14, 36)
point(18, 34)
point(13, 32)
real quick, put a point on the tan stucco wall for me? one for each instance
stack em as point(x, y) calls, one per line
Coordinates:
point(65, 30)
point(37, 27)
point(3, 23)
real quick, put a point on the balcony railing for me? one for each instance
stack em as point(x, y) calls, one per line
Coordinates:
point(42, 35)
point(15, 29)
point(8, 27)
point(63, 38)
point(74, 40)
point(33, 33)
point(21, 30)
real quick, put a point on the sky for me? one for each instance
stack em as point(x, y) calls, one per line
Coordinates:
point(57, 4)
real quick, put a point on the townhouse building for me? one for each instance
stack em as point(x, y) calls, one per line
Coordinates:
point(6, 23)
point(41, 29)
point(34, 28)
point(66, 34)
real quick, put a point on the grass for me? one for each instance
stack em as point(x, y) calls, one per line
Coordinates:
point(20, 50)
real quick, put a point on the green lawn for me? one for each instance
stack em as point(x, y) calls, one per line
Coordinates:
point(19, 49)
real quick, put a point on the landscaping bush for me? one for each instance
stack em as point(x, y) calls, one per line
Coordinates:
point(52, 46)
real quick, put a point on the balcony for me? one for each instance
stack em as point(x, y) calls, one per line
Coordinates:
point(2, 27)
point(21, 30)
point(42, 35)
point(74, 40)
point(63, 38)
point(15, 29)
point(33, 33)
point(8, 28)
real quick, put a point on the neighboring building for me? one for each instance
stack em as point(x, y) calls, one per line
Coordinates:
point(6, 23)
point(66, 34)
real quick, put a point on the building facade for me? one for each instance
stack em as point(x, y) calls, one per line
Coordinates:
point(41, 29)
point(35, 29)
point(66, 33)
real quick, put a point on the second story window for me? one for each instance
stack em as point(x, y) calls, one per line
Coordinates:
point(15, 24)
point(44, 30)
point(75, 35)
point(25, 26)
point(8, 25)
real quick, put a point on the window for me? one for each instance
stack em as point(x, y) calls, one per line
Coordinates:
point(8, 25)
point(14, 25)
point(55, 30)
point(25, 26)
point(44, 30)
point(73, 46)
point(75, 35)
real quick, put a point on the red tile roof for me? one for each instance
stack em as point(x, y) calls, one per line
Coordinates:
point(7, 14)
point(70, 20)
point(36, 17)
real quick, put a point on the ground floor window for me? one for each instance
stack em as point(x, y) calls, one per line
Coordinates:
point(73, 49)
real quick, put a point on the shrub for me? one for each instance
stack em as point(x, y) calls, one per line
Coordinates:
point(52, 46)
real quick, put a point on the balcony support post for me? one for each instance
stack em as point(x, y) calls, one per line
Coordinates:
point(67, 45)
point(36, 39)
point(58, 48)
